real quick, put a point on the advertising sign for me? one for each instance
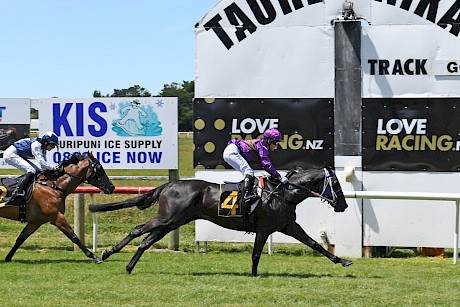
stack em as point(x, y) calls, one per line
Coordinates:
point(14, 121)
point(123, 133)
point(307, 126)
point(411, 134)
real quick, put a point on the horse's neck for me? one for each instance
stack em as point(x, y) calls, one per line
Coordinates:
point(271, 186)
point(309, 182)
point(72, 178)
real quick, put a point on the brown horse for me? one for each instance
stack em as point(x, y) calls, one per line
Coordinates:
point(46, 202)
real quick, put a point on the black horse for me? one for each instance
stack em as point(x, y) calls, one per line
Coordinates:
point(183, 201)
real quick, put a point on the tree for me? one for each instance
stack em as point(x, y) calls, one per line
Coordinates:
point(185, 93)
point(133, 91)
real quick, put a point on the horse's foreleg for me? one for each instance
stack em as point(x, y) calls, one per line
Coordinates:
point(137, 231)
point(61, 223)
point(294, 230)
point(25, 233)
point(257, 251)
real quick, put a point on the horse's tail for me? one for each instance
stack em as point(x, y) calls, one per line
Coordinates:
point(142, 201)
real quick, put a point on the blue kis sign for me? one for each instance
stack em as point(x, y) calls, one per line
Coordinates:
point(123, 133)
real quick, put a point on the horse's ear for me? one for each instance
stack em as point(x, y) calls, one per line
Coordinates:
point(297, 169)
point(74, 159)
point(327, 166)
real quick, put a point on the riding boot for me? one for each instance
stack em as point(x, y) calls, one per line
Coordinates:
point(249, 195)
point(20, 190)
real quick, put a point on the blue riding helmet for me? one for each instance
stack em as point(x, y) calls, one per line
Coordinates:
point(50, 138)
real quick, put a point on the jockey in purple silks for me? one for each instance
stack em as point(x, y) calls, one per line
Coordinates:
point(239, 153)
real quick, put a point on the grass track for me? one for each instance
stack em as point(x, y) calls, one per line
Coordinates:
point(59, 278)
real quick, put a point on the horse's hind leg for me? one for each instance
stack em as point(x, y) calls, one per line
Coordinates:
point(136, 232)
point(148, 241)
point(294, 230)
point(25, 233)
point(152, 226)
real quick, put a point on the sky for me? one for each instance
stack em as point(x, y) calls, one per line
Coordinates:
point(70, 48)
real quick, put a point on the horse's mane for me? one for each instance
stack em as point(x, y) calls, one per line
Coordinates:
point(58, 171)
point(298, 170)
point(75, 158)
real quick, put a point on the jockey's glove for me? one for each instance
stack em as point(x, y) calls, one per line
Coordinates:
point(284, 180)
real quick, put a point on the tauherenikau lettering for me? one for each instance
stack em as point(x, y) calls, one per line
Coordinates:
point(263, 12)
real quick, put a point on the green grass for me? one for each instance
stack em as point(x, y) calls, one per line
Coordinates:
point(61, 278)
point(47, 272)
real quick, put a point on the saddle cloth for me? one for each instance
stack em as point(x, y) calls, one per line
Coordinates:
point(230, 198)
point(7, 186)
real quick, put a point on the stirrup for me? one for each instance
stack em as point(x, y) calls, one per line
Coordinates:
point(20, 193)
point(250, 199)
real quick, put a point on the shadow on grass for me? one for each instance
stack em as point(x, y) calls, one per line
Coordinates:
point(47, 261)
point(41, 247)
point(268, 275)
point(262, 275)
point(63, 260)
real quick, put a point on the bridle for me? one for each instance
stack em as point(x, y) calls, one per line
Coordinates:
point(95, 168)
point(328, 194)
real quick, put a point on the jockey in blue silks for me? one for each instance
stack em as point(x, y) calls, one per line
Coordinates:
point(21, 151)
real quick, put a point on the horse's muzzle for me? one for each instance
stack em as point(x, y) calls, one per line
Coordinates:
point(340, 206)
point(109, 189)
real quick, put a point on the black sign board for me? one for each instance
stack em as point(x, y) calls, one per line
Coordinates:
point(307, 126)
point(416, 134)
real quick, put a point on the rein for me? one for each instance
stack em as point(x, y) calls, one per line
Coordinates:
point(326, 184)
point(53, 186)
point(93, 173)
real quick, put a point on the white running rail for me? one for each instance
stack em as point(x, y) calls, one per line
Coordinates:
point(415, 196)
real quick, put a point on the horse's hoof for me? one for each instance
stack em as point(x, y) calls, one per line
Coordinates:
point(129, 268)
point(105, 254)
point(98, 260)
point(8, 259)
point(346, 262)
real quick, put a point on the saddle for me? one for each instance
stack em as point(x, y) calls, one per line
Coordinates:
point(7, 186)
point(230, 199)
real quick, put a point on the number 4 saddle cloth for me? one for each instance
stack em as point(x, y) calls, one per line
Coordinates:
point(230, 200)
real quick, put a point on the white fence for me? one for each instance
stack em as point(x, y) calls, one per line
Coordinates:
point(224, 235)
point(415, 196)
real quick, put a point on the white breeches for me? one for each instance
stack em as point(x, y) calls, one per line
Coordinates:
point(233, 157)
point(11, 157)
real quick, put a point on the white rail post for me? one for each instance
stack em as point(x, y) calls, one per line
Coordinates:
point(270, 244)
point(79, 218)
point(173, 243)
point(94, 224)
point(457, 207)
